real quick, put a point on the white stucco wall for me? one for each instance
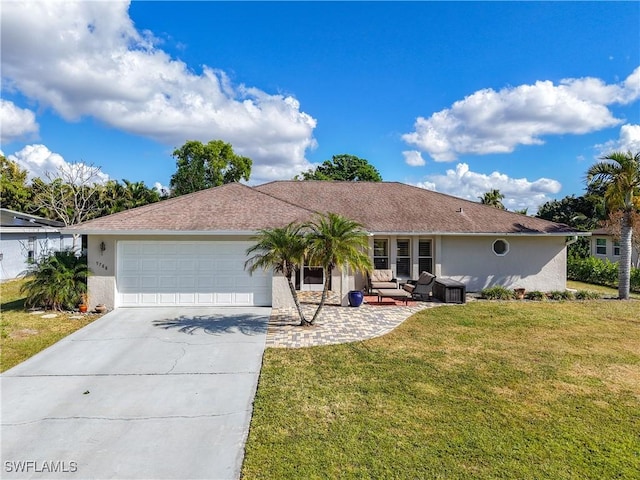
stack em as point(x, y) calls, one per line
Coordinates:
point(534, 263)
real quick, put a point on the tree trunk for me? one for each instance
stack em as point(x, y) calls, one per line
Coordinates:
point(624, 266)
point(323, 298)
point(294, 294)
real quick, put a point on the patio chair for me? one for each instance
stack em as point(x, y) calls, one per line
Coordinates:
point(381, 279)
point(421, 289)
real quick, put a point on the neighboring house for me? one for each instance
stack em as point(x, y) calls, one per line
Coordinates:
point(25, 238)
point(191, 250)
point(604, 245)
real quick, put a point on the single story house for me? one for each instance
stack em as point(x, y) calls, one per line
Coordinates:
point(25, 238)
point(191, 250)
point(604, 246)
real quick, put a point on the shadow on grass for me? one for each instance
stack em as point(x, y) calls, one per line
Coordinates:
point(216, 324)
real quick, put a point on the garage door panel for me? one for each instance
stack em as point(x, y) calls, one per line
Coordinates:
point(148, 283)
point(224, 298)
point(167, 299)
point(188, 273)
point(189, 265)
point(187, 299)
point(149, 298)
point(186, 282)
point(167, 283)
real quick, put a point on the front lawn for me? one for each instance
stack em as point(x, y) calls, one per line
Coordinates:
point(23, 334)
point(483, 390)
point(608, 292)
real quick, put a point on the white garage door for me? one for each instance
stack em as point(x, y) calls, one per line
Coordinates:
point(173, 273)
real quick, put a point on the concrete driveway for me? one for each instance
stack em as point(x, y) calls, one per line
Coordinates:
point(138, 394)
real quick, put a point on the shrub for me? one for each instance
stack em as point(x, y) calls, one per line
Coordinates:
point(587, 295)
point(560, 295)
point(592, 270)
point(536, 295)
point(635, 278)
point(497, 292)
point(56, 282)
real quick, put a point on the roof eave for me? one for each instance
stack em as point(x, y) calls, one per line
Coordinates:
point(487, 234)
point(159, 232)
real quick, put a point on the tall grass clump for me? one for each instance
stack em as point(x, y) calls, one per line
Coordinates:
point(497, 292)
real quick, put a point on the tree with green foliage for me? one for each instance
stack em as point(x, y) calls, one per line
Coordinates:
point(114, 197)
point(343, 167)
point(281, 250)
point(583, 212)
point(15, 194)
point(202, 166)
point(335, 241)
point(620, 173)
point(57, 281)
point(493, 198)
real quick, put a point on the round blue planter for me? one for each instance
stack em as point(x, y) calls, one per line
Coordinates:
point(355, 298)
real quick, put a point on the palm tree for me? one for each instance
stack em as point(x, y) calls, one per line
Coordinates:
point(620, 172)
point(56, 282)
point(280, 250)
point(492, 198)
point(335, 241)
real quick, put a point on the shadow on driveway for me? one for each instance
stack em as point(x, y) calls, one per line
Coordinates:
point(215, 324)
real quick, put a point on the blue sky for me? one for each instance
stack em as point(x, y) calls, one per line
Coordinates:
point(458, 97)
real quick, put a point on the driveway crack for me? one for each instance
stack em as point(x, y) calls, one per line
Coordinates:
point(175, 362)
point(131, 419)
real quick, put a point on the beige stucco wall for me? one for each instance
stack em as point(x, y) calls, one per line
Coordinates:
point(534, 263)
point(102, 281)
point(103, 266)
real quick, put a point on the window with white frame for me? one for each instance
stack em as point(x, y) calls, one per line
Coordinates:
point(31, 250)
point(425, 256)
point(403, 258)
point(380, 254)
point(616, 248)
point(601, 246)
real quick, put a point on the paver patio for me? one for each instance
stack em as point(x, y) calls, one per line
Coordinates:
point(337, 324)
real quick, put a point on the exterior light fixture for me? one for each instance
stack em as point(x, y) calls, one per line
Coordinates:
point(103, 247)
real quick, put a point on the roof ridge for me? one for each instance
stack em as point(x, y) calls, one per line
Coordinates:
point(282, 199)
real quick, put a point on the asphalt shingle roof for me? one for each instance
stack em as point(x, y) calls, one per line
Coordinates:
point(397, 207)
point(233, 207)
point(380, 207)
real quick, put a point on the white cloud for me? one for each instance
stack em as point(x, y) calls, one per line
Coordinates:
point(39, 161)
point(16, 122)
point(629, 140)
point(519, 192)
point(413, 158)
point(88, 59)
point(497, 122)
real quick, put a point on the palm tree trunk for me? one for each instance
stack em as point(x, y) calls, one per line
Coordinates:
point(624, 267)
point(294, 294)
point(323, 298)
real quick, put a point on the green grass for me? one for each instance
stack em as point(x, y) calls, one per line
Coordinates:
point(22, 334)
point(483, 390)
point(605, 291)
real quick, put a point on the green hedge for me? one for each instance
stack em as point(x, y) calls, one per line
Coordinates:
point(599, 272)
